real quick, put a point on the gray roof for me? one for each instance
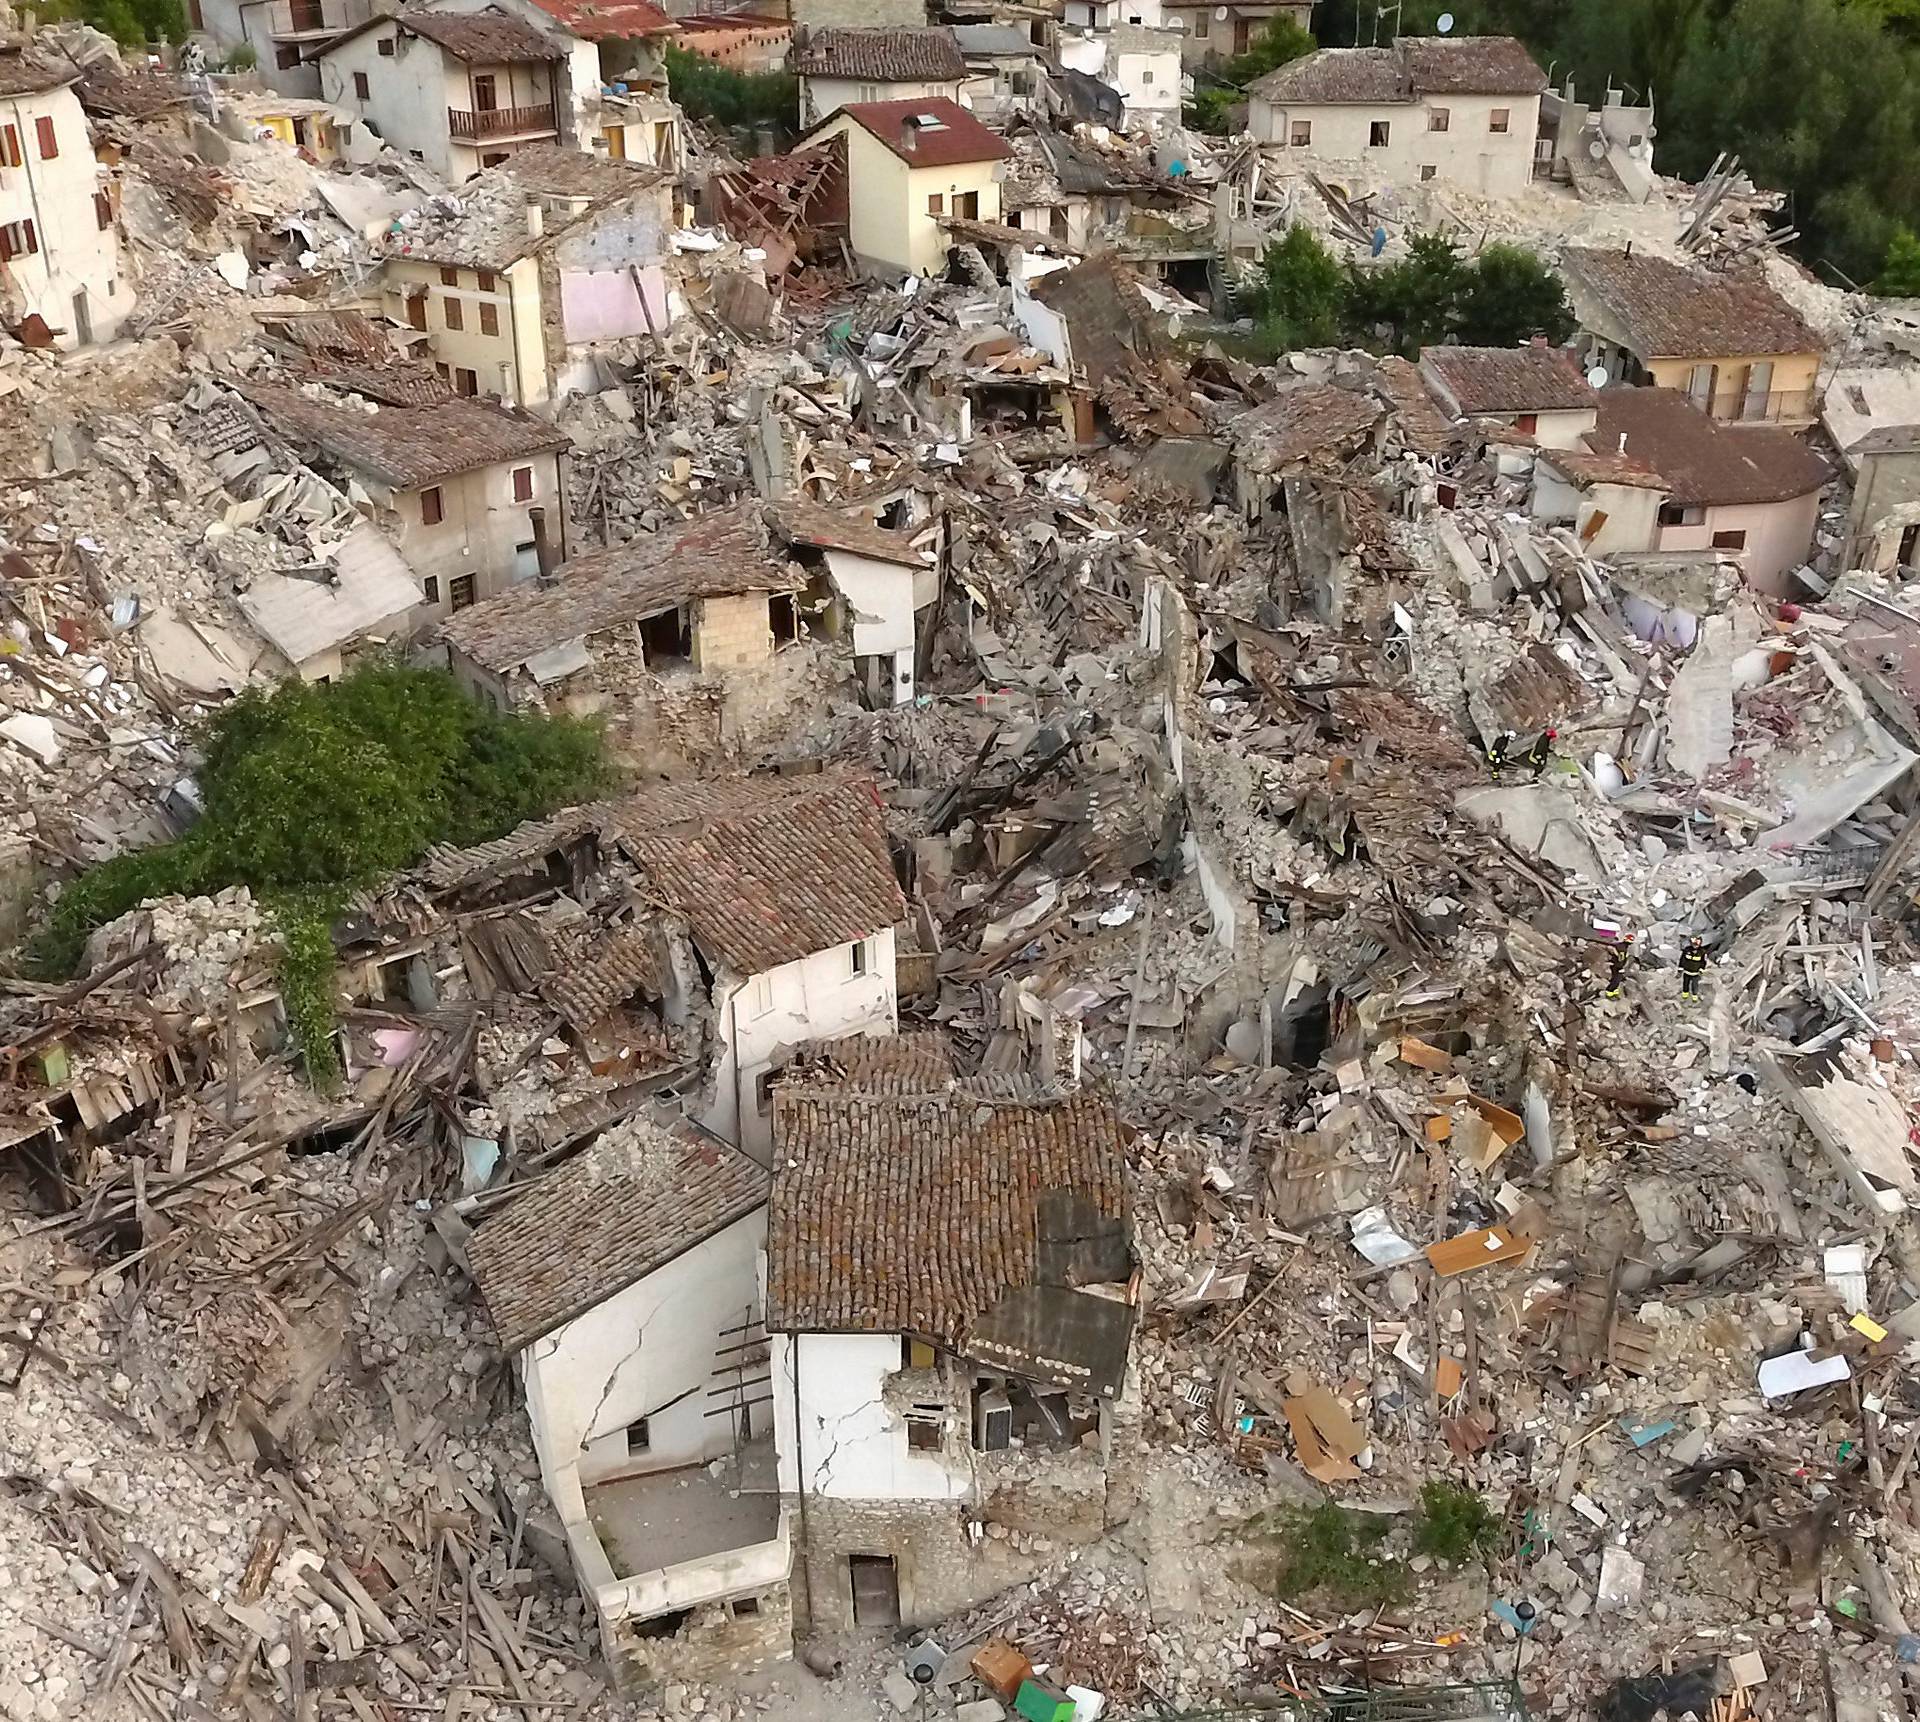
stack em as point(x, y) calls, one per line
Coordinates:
point(993, 42)
point(646, 1192)
point(1685, 311)
point(1413, 66)
point(889, 55)
point(371, 586)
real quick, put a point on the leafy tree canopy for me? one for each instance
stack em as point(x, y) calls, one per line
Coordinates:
point(707, 90)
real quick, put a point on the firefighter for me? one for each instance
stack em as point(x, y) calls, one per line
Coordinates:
point(1540, 755)
point(1619, 957)
point(1498, 751)
point(1693, 964)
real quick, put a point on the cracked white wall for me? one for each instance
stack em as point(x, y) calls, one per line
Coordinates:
point(628, 1357)
point(850, 1445)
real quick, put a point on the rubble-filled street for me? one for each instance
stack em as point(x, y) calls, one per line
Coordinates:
point(1082, 885)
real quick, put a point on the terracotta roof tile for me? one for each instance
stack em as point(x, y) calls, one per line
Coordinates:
point(1473, 380)
point(889, 55)
point(482, 38)
point(609, 20)
point(1304, 419)
point(623, 962)
point(850, 529)
point(955, 136)
point(712, 555)
point(917, 1213)
point(1705, 464)
point(1413, 66)
point(766, 870)
point(1671, 311)
point(643, 1194)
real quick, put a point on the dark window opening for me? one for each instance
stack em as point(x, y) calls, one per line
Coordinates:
point(666, 636)
point(783, 617)
point(430, 588)
point(875, 1581)
point(763, 1092)
point(1378, 132)
point(288, 57)
point(860, 956)
point(361, 88)
point(433, 506)
point(1301, 1032)
point(924, 1434)
point(386, 47)
point(1730, 541)
point(465, 382)
point(639, 1439)
point(1909, 542)
point(464, 590)
point(663, 1625)
point(745, 1605)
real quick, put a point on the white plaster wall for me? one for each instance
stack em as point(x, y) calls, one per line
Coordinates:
point(883, 593)
point(630, 1355)
point(1150, 86)
point(510, 365)
point(816, 998)
point(1779, 535)
point(75, 256)
point(821, 96)
point(1564, 429)
point(1633, 518)
point(843, 1441)
point(1498, 164)
point(408, 94)
point(482, 529)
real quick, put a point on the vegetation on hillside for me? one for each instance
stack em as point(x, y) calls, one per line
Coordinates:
point(1226, 84)
point(131, 23)
point(739, 101)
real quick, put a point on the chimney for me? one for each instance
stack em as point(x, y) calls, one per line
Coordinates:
point(536, 218)
point(909, 135)
point(542, 544)
point(1539, 341)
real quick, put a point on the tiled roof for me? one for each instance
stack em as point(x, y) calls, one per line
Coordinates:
point(953, 135)
point(482, 38)
point(445, 868)
point(620, 965)
point(1586, 467)
point(1507, 379)
point(711, 556)
point(766, 870)
point(407, 446)
point(554, 170)
point(1705, 464)
point(850, 529)
point(918, 1213)
point(1413, 66)
point(24, 72)
point(609, 20)
point(889, 55)
point(1426, 428)
point(1301, 420)
point(1672, 311)
point(645, 1193)
point(877, 1063)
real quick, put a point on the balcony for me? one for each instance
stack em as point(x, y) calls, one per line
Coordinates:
point(314, 20)
point(1782, 406)
point(475, 126)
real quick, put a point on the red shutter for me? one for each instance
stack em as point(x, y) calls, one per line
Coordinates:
point(49, 145)
point(103, 210)
point(32, 238)
point(9, 146)
point(6, 244)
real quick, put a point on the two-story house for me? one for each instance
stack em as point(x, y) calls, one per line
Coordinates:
point(911, 165)
point(458, 91)
point(531, 267)
point(282, 34)
point(1462, 110)
point(948, 1293)
point(1723, 338)
point(466, 490)
point(1211, 32)
point(836, 66)
point(59, 241)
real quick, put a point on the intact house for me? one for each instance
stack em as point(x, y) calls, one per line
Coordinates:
point(1212, 32)
point(1723, 338)
point(626, 1288)
point(614, 93)
point(1659, 475)
point(458, 91)
point(910, 166)
point(837, 66)
point(1461, 110)
point(532, 268)
point(281, 33)
point(1127, 45)
point(950, 1282)
point(59, 242)
point(1537, 390)
point(468, 491)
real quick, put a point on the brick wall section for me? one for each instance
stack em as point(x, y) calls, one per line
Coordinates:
point(731, 633)
point(710, 1646)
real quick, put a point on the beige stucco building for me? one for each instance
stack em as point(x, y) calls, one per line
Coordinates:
point(59, 243)
point(910, 165)
point(1723, 338)
point(1537, 390)
point(835, 67)
point(541, 261)
point(1462, 110)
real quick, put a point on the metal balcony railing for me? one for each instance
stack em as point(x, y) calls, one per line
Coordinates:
point(499, 122)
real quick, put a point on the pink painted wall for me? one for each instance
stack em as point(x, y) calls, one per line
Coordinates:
point(601, 305)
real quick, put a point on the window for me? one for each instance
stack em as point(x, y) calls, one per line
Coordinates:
point(288, 57)
point(1428, 172)
point(523, 484)
point(763, 1093)
point(494, 158)
point(49, 144)
point(638, 1438)
point(433, 507)
point(386, 47)
point(10, 146)
point(1202, 24)
point(417, 309)
point(1674, 514)
point(489, 319)
point(915, 1353)
point(361, 89)
point(456, 318)
point(463, 591)
point(1300, 133)
point(1438, 119)
point(924, 1429)
point(483, 279)
point(966, 205)
point(18, 239)
point(1498, 120)
point(449, 277)
point(484, 97)
point(860, 956)
point(1701, 382)
point(1729, 541)
point(1909, 540)
point(430, 588)
point(102, 210)
point(1528, 422)
point(1146, 76)
point(937, 203)
point(465, 382)
point(1378, 133)
point(745, 1605)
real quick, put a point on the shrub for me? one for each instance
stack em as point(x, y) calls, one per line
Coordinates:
point(1454, 1525)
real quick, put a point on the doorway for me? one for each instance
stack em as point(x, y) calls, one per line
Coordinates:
point(82, 319)
point(876, 1589)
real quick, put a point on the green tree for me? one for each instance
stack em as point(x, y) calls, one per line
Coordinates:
point(707, 90)
point(1280, 43)
point(1299, 295)
point(1508, 296)
point(1900, 270)
point(1414, 298)
point(131, 23)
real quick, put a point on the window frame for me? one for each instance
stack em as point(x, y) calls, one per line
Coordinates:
point(46, 137)
point(1500, 121)
point(1379, 134)
point(1439, 119)
point(489, 318)
point(1299, 134)
point(433, 505)
point(362, 89)
point(522, 493)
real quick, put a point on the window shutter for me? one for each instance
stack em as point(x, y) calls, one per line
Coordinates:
point(49, 144)
point(32, 238)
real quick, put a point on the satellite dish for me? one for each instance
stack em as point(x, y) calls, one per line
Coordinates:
point(1220, 12)
point(1597, 377)
point(1444, 22)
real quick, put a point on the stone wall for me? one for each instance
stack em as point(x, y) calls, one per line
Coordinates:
point(715, 1641)
point(814, 13)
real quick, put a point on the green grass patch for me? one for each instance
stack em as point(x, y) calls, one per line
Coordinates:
point(1327, 1552)
point(1455, 1525)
